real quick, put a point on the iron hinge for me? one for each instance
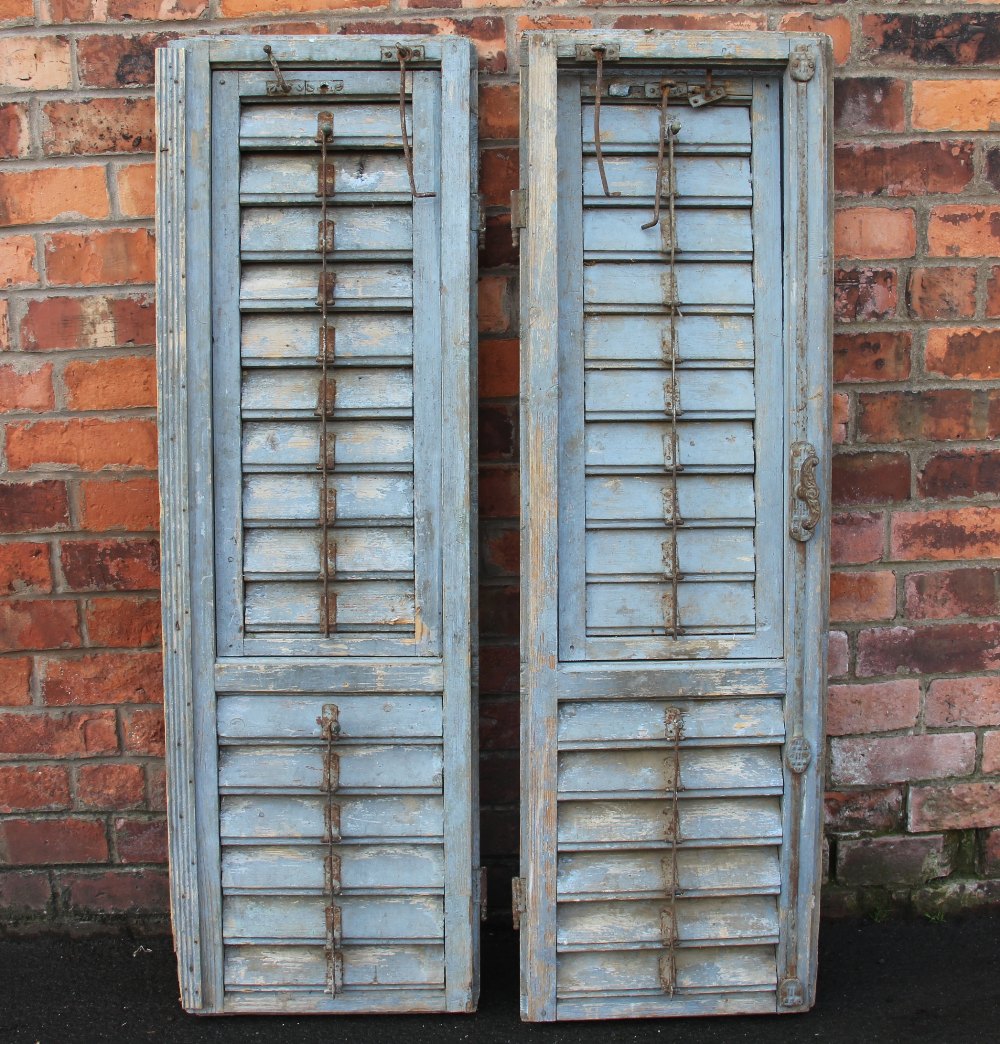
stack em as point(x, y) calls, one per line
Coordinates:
point(481, 892)
point(791, 994)
point(518, 214)
point(798, 754)
point(806, 505)
point(588, 52)
point(411, 54)
point(517, 902)
point(802, 64)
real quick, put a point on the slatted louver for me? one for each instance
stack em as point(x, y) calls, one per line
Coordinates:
point(334, 841)
point(672, 626)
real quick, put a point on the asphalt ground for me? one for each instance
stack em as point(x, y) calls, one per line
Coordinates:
point(908, 981)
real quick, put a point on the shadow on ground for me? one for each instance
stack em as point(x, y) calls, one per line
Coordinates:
point(898, 981)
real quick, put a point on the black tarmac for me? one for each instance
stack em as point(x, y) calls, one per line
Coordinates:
point(897, 981)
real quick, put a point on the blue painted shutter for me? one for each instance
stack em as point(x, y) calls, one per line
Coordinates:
point(673, 636)
point(335, 823)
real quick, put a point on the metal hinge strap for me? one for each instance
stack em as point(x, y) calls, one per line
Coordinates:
point(517, 901)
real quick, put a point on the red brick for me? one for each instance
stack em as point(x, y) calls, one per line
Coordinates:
point(860, 478)
point(24, 892)
point(498, 176)
point(494, 304)
point(960, 473)
point(111, 565)
point(991, 753)
point(841, 416)
point(16, 10)
point(128, 504)
point(26, 625)
point(965, 352)
point(882, 356)
point(907, 169)
point(857, 538)
point(498, 369)
point(899, 759)
point(499, 111)
point(854, 810)
point(837, 28)
point(862, 294)
point(25, 569)
point(15, 681)
point(117, 891)
point(932, 39)
point(87, 444)
point(104, 678)
point(111, 384)
point(498, 247)
point(17, 262)
point(972, 702)
point(115, 60)
point(891, 861)
point(962, 105)
point(113, 786)
point(97, 125)
point(142, 731)
point(135, 186)
point(156, 785)
point(952, 592)
point(499, 669)
point(44, 734)
point(941, 293)
point(867, 103)
point(878, 707)
point(5, 342)
point(498, 493)
point(488, 34)
point(497, 427)
point(993, 293)
point(730, 21)
point(865, 232)
point(140, 840)
point(964, 231)
point(838, 655)
point(971, 532)
point(498, 612)
point(33, 788)
point(127, 623)
point(119, 10)
point(15, 139)
point(87, 322)
point(862, 596)
point(116, 256)
point(35, 63)
point(990, 863)
point(238, 8)
point(500, 553)
point(499, 724)
point(30, 197)
point(28, 391)
point(938, 649)
point(527, 23)
point(960, 806)
point(936, 414)
point(31, 507)
point(27, 842)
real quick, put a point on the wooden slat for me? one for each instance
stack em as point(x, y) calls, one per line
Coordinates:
point(375, 716)
point(303, 918)
point(268, 232)
point(647, 552)
point(638, 720)
point(361, 604)
point(276, 818)
point(295, 498)
point(607, 284)
point(718, 338)
point(640, 498)
point(289, 287)
point(725, 179)
point(652, 769)
point(292, 177)
point(368, 125)
point(357, 443)
point(641, 444)
point(341, 87)
point(642, 607)
point(371, 866)
point(701, 819)
point(364, 389)
point(279, 967)
point(295, 338)
point(593, 875)
point(637, 124)
point(367, 767)
point(631, 392)
point(368, 549)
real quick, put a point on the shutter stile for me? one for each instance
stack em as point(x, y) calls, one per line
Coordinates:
point(336, 800)
point(669, 852)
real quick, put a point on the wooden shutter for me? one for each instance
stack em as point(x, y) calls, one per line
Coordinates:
point(317, 347)
point(674, 463)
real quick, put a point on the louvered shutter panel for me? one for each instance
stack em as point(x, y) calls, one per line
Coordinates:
point(675, 458)
point(317, 347)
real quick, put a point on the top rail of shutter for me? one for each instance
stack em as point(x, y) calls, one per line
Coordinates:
point(292, 51)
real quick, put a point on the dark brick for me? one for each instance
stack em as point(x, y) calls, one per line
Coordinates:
point(882, 356)
point(908, 169)
point(868, 103)
point(953, 592)
point(854, 810)
point(860, 478)
point(936, 414)
point(933, 649)
point(949, 39)
point(960, 473)
point(862, 294)
point(29, 507)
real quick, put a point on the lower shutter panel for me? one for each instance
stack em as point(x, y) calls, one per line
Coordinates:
point(667, 843)
point(337, 786)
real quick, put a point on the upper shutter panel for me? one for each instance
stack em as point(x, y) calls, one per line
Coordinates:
point(323, 811)
point(673, 567)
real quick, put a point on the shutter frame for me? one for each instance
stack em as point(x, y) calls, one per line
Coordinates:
point(802, 63)
point(195, 676)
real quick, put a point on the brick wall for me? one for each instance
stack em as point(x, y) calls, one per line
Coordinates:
point(914, 760)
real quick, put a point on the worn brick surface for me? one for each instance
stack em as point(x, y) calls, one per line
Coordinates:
point(916, 365)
